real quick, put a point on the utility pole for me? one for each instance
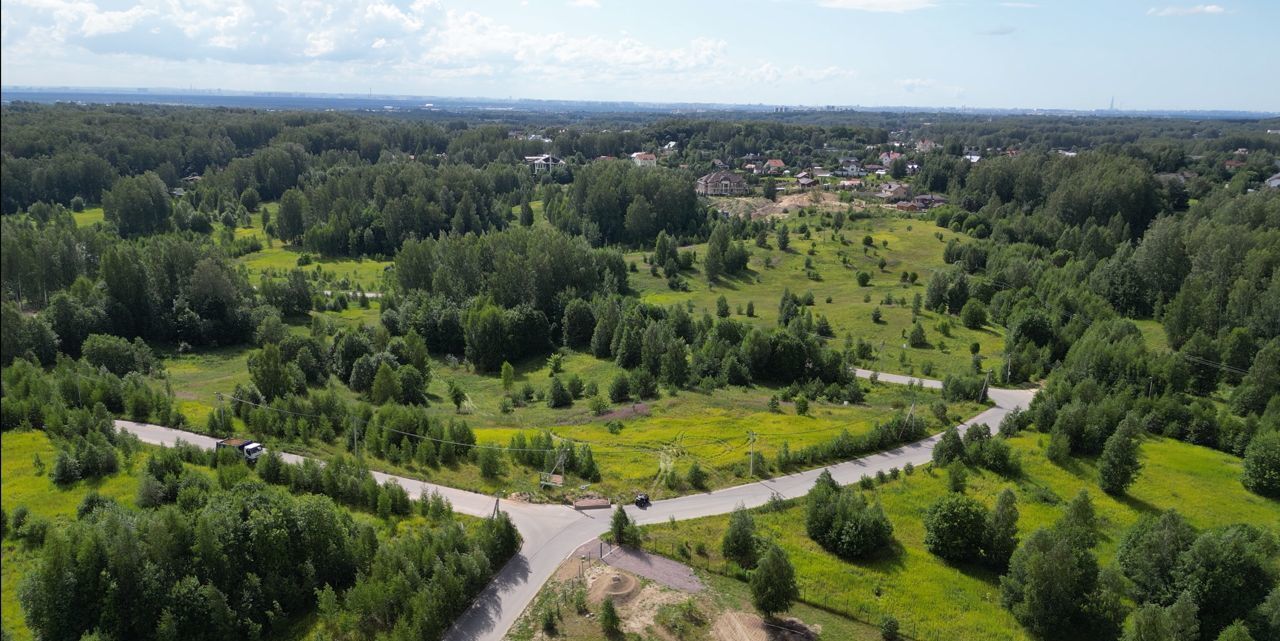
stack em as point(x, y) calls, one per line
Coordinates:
point(751, 457)
point(985, 380)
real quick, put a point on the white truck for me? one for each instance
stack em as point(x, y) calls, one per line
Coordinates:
point(250, 450)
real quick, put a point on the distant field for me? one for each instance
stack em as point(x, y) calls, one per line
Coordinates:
point(88, 217)
point(278, 258)
point(912, 247)
point(936, 601)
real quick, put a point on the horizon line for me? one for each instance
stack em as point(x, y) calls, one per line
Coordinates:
point(718, 106)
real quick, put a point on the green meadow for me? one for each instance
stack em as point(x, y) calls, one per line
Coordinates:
point(89, 217)
point(24, 484)
point(664, 434)
point(937, 601)
point(912, 246)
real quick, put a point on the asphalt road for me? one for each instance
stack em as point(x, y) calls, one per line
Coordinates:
point(553, 532)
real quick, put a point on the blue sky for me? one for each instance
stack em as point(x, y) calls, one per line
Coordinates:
point(1148, 54)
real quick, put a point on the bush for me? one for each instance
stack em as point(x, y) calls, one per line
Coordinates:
point(620, 389)
point(1262, 465)
point(841, 521)
point(955, 527)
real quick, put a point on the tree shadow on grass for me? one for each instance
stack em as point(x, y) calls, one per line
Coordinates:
point(1135, 503)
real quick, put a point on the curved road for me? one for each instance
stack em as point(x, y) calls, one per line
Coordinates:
point(553, 532)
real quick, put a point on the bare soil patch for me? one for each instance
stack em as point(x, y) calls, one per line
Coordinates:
point(745, 626)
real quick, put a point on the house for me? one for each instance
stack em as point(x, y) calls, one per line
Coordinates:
point(972, 157)
point(644, 159)
point(906, 205)
point(888, 157)
point(872, 168)
point(1273, 182)
point(754, 159)
point(894, 191)
point(806, 183)
point(719, 164)
point(850, 184)
point(1234, 164)
point(928, 201)
point(545, 162)
point(671, 146)
point(773, 166)
point(925, 146)
point(804, 174)
point(721, 183)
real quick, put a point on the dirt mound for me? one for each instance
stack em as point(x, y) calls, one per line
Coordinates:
point(745, 626)
point(618, 586)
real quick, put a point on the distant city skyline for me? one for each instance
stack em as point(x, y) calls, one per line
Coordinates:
point(908, 53)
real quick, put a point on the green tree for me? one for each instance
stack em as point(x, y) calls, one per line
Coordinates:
point(457, 395)
point(973, 314)
point(1119, 466)
point(1050, 584)
point(722, 307)
point(609, 621)
point(620, 388)
point(1227, 574)
point(292, 215)
point(739, 544)
point(784, 238)
point(1001, 537)
point(269, 373)
point(621, 528)
point(955, 527)
point(1235, 632)
point(508, 376)
point(1262, 465)
point(950, 448)
point(249, 199)
point(557, 395)
point(386, 385)
point(526, 213)
point(773, 583)
point(138, 205)
point(640, 221)
point(1201, 357)
point(1149, 552)
point(917, 338)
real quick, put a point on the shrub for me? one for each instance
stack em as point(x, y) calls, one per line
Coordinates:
point(955, 527)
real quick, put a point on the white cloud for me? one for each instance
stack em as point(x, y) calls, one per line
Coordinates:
point(916, 84)
point(590, 4)
point(885, 6)
point(1200, 9)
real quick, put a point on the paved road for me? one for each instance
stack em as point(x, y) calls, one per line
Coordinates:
point(553, 532)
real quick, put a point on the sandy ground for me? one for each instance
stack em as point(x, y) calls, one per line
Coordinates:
point(757, 207)
point(746, 626)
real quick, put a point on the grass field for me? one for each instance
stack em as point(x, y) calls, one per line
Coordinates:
point(912, 247)
point(88, 217)
point(938, 601)
point(711, 428)
point(671, 430)
point(23, 485)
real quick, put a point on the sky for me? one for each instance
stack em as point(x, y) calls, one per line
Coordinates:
point(1068, 54)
